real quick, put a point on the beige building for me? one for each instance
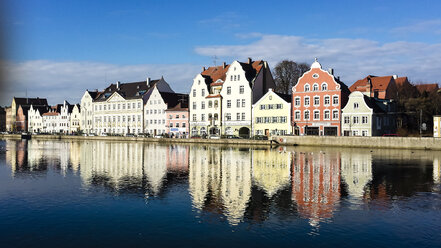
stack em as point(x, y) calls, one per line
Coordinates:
point(272, 114)
point(86, 123)
point(437, 126)
point(75, 119)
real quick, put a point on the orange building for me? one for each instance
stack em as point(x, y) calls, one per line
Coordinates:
point(317, 100)
point(316, 185)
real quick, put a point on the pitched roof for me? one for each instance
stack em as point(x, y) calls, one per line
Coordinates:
point(179, 107)
point(378, 83)
point(285, 97)
point(29, 101)
point(51, 113)
point(132, 90)
point(401, 80)
point(427, 87)
point(215, 73)
point(251, 70)
point(172, 99)
point(373, 104)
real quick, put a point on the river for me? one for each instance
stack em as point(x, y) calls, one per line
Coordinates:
point(125, 194)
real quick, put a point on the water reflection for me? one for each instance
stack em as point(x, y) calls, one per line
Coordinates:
point(238, 184)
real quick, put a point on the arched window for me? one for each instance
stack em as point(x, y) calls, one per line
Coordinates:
point(324, 86)
point(306, 87)
point(315, 87)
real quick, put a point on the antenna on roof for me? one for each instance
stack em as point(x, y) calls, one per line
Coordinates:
point(215, 59)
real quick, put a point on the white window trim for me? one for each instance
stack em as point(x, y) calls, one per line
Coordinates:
point(313, 101)
point(332, 100)
point(321, 86)
point(332, 112)
point(300, 115)
point(309, 115)
point(324, 115)
point(318, 87)
point(313, 114)
point(309, 101)
point(300, 101)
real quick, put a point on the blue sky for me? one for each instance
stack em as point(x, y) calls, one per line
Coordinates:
point(57, 49)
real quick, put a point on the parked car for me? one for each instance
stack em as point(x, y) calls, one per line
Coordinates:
point(130, 135)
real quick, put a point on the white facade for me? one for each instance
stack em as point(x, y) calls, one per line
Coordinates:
point(86, 123)
point(154, 113)
point(117, 115)
point(57, 122)
point(35, 120)
point(75, 119)
point(236, 100)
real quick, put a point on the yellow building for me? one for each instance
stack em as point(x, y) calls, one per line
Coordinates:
point(437, 126)
point(272, 114)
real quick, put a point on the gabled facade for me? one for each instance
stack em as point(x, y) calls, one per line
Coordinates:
point(272, 114)
point(26, 104)
point(86, 122)
point(155, 106)
point(317, 100)
point(245, 83)
point(35, 118)
point(57, 120)
point(177, 121)
point(75, 119)
point(377, 87)
point(366, 116)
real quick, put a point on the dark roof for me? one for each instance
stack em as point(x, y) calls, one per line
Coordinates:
point(41, 109)
point(28, 101)
point(373, 104)
point(179, 107)
point(94, 94)
point(134, 90)
point(286, 97)
point(172, 99)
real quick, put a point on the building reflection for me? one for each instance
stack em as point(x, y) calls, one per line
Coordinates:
point(436, 171)
point(316, 184)
point(356, 172)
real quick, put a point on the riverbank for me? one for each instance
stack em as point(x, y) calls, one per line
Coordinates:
point(326, 141)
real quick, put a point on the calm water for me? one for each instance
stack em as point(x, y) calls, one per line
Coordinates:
point(109, 194)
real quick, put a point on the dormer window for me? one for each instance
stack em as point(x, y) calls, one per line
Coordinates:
point(315, 75)
point(355, 105)
point(306, 87)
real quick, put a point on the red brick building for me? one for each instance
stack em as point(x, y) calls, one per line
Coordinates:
point(317, 100)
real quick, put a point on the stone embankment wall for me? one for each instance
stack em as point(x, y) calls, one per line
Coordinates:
point(325, 141)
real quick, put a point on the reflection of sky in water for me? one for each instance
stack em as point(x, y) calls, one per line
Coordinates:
point(236, 185)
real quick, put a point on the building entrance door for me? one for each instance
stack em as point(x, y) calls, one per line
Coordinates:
point(331, 131)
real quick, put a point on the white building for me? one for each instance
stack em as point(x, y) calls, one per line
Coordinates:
point(57, 120)
point(75, 119)
point(157, 102)
point(86, 123)
point(35, 118)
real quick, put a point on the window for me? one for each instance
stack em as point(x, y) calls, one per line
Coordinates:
point(335, 100)
point(243, 103)
point(128, 106)
point(194, 117)
point(243, 116)
point(324, 86)
point(228, 103)
point(203, 92)
point(315, 87)
point(355, 119)
point(297, 101)
point(171, 124)
point(228, 116)
point(327, 115)
point(306, 115)
point(177, 124)
point(228, 90)
point(194, 105)
point(241, 89)
point(316, 100)
point(355, 105)
point(194, 93)
point(202, 117)
point(210, 104)
point(177, 116)
point(238, 116)
point(139, 105)
point(216, 116)
point(364, 120)
point(306, 100)
point(327, 100)
point(355, 133)
point(234, 77)
point(335, 114)
point(316, 114)
point(231, 77)
point(306, 87)
point(346, 120)
point(364, 133)
point(297, 115)
point(216, 104)
point(238, 77)
point(262, 106)
point(238, 103)
point(183, 124)
point(283, 119)
point(203, 105)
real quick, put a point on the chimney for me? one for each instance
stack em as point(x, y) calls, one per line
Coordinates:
point(117, 84)
point(249, 60)
point(270, 89)
point(265, 64)
point(203, 68)
point(395, 76)
point(224, 65)
point(331, 71)
point(148, 82)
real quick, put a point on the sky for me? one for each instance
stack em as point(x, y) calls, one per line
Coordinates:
point(58, 49)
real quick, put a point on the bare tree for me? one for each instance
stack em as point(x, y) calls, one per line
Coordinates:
point(287, 73)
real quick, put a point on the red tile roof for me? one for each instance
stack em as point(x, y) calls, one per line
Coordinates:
point(219, 72)
point(213, 96)
point(401, 80)
point(378, 83)
point(427, 87)
point(50, 114)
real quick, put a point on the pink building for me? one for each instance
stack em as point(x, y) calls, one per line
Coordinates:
point(177, 121)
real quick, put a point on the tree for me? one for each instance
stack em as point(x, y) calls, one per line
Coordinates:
point(287, 73)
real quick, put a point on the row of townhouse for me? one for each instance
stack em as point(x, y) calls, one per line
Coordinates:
point(149, 107)
point(61, 118)
point(239, 100)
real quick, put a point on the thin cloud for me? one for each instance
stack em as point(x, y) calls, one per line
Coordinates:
point(427, 26)
point(352, 59)
point(60, 81)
